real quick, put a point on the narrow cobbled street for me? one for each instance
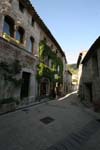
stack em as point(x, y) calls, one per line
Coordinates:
point(62, 124)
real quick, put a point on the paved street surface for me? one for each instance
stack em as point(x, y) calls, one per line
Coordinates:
point(62, 124)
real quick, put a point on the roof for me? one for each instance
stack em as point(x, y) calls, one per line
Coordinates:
point(81, 57)
point(92, 49)
point(37, 18)
point(69, 72)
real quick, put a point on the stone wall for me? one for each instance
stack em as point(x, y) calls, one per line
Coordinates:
point(90, 79)
point(8, 53)
point(23, 20)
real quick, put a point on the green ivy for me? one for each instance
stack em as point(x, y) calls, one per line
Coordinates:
point(43, 69)
point(10, 70)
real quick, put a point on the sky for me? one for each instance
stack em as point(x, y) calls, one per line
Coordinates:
point(75, 24)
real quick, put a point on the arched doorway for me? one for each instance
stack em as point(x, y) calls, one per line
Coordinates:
point(44, 87)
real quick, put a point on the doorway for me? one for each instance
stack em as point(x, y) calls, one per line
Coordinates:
point(25, 85)
point(89, 90)
point(44, 87)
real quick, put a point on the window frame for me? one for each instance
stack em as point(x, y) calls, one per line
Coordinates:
point(31, 41)
point(8, 21)
point(21, 6)
point(32, 21)
point(21, 32)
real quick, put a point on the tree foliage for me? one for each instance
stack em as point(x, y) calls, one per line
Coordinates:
point(72, 68)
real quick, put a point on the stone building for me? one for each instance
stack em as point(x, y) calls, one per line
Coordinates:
point(74, 82)
point(69, 82)
point(79, 66)
point(90, 78)
point(21, 32)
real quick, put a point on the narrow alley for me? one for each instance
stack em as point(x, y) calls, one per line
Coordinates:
point(49, 75)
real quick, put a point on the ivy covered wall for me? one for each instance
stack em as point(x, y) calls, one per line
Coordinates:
point(45, 70)
point(9, 80)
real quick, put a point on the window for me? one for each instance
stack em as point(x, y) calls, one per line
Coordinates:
point(8, 26)
point(45, 40)
point(21, 7)
point(32, 22)
point(58, 69)
point(51, 46)
point(46, 60)
point(10, 1)
point(31, 44)
point(20, 34)
point(50, 63)
point(56, 51)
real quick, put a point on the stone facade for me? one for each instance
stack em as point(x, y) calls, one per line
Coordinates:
point(74, 82)
point(90, 78)
point(8, 54)
point(21, 30)
point(69, 82)
point(79, 66)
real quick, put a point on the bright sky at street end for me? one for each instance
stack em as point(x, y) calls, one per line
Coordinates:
point(75, 24)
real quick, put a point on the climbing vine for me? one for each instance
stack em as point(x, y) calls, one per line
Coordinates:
point(9, 71)
point(46, 71)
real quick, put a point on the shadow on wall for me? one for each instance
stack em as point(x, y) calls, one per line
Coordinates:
point(85, 90)
point(89, 87)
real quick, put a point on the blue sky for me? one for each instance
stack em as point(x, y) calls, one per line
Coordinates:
point(75, 24)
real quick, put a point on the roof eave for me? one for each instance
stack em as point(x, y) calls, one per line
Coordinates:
point(32, 10)
point(92, 49)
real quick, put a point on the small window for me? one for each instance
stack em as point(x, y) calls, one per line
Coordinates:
point(10, 1)
point(51, 46)
point(20, 34)
point(56, 51)
point(46, 60)
point(45, 40)
point(58, 69)
point(50, 63)
point(21, 7)
point(31, 44)
point(32, 22)
point(8, 26)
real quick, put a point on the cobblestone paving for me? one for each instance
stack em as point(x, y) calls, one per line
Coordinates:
point(76, 140)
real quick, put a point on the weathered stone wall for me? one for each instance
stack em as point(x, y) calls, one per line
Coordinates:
point(96, 89)
point(96, 80)
point(87, 71)
point(69, 82)
point(98, 56)
point(50, 43)
point(23, 20)
point(9, 53)
point(90, 76)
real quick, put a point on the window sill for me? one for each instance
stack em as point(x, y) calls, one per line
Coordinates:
point(16, 43)
point(11, 39)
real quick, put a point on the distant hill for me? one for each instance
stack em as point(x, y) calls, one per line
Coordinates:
point(72, 68)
